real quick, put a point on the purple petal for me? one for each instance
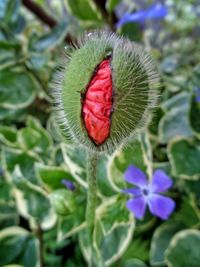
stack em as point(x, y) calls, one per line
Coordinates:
point(161, 206)
point(160, 182)
point(134, 191)
point(137, 206)
point(197, 98)
point(197, 94)
point(135, 176)
point(68, 184)
point(133, 17)
point(156, 11)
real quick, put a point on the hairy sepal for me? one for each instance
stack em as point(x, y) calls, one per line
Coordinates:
point(135, 88)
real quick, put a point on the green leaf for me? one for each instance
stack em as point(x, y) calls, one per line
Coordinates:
point(17, 115)
point(54, 130)
point(36, 200)
point(131, 31)
point(169, 64)
point(9, 45)
point(18, 246)
point(183, 250)
point(17, 89)
point(165, 166)
point(5, 190)
point(35, 124)
point(7, 53)
point(110, 246)
point(34, 137)
point(134, 263)
point(71, 224)
point(8, 135)
point(32, 202)
point(30, 139)
point(192, 188)
point(13, 265)
point(75, 221)
point(184, 156)
point(157, 115)
point(112, 213)
point(51, 39)
point(84, 10)
point(121, 159)
point(188, 214)
point(26, 161)
point(137, 249)
point(113, 245)
point(9, 11)
point(160, 241)
point(63, 201)
point(9, 216)
point(111, 4)
point(75, 160)
point(52, 176)
point(38, 61)
point(174, 123)
point(58, 159)
point(113, 232)
point(102, 177)
point(177, 101)
point(195, 115)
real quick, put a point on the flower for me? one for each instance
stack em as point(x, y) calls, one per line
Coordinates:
point(90, 100)
point(197, 94)
point(97, 104)
point(68, 184)
point(148, 194)
point(155, 11)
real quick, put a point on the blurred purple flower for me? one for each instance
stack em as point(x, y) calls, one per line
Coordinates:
point(197, 94)
point(68, 184)
point(155, 11)
point(148, 194)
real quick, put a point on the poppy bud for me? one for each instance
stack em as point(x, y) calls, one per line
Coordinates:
point(105, 91)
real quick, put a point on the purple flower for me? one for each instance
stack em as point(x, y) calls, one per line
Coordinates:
point(148, 194)
point(155, 11)
point(197, 94)
point(68, 184)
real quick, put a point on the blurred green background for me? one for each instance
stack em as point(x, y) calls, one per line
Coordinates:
point(42, 223)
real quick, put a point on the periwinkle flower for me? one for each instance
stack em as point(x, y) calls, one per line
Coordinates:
point(197, 94)
point(68, 184)
point(148, 194)
point(155, 11)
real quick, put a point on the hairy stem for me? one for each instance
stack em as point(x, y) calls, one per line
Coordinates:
point(91, 198)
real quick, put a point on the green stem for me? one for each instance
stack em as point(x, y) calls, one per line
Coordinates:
point(41, 245)
point(91, 198)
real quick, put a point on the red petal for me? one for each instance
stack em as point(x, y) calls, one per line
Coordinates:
point(97, 104)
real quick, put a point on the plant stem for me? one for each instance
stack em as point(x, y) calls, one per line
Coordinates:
point(43, 16)
point(41, 245)
point(91, 198)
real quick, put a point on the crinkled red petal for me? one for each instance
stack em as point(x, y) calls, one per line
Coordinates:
point(97, 104)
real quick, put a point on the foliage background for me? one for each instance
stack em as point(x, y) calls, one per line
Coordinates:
point(41, 222)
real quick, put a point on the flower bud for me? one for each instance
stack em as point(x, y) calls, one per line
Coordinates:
point(105, 91)
point(63, 201)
